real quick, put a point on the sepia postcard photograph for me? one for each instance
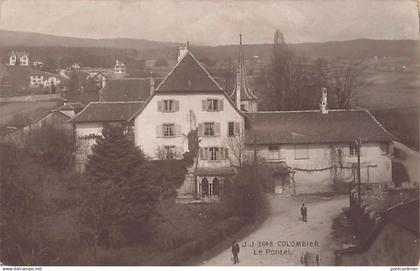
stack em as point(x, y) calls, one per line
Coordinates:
point(216, 133)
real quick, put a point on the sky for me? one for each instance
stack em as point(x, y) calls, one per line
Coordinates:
point(215, 22)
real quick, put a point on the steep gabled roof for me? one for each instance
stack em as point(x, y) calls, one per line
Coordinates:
point(127, 89)
point(188, 75)
point(107, 111)
point(294, 127)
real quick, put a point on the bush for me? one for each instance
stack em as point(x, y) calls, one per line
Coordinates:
point(51, 147)
point(248, 195)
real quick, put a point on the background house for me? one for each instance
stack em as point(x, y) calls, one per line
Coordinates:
point(89, 122)
point(21, 58)
point(128, 89)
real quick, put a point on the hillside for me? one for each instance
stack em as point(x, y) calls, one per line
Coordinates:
point(25, 39)
point(336, 49)
point(154, 49)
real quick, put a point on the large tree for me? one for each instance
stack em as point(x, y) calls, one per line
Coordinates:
point(294, 82)
point(122, 196)
point(345, 81)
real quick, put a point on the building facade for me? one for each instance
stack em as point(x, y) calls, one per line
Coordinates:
point(190, 101)
point(319, 149)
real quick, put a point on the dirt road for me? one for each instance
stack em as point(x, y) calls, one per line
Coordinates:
point(276, 241)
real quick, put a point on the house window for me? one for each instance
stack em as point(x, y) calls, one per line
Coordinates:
point(301, 151)
point(273, 152)
point(209, 129)
point(231, 128)
point(168, 106)
point(353, 149)
point(212, 105)
point(214, 153)
point(169, 152)
point(168, 130)
point(243, 107)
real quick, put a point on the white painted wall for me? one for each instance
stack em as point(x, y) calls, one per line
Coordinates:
point(320, 157)
point(88, 128)
point(145, 124)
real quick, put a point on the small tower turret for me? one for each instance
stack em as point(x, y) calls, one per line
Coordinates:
point(242, 95)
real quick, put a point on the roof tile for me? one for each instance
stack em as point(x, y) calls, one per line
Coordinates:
point(107, 111)
point(295, 127)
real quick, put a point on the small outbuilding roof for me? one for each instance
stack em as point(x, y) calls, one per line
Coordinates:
point(107, 111)
point(127, 89)
point(294, 127)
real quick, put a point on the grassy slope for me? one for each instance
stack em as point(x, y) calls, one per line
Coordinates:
point(389, 89)
point(34, 110)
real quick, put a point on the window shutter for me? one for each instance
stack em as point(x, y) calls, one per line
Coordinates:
point(177, 130)
point(217, 129)
point(201, 154)
point(220, 105)
point(160, 106)
point(206, 153)
point(200, 129)
point(204, 105)
point(176, 105)
point(226, 153)
point(159, 131)
point(221, 153)
point(236, 128)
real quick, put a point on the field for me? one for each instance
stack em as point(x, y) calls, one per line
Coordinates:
point(389, 89)
point(33, 110)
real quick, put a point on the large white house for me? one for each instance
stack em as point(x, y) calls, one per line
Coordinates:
point(309, 151)
point(189, 99)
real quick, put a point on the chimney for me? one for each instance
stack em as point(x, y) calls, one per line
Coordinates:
point(103, 81)
point(183, 50)
point(151, 83)
point(323, 104)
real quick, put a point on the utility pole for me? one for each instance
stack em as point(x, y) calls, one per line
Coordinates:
point(359, 196)
point(254, 176)
point(358, 143)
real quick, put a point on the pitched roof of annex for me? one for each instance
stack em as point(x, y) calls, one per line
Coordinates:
point(295, 127)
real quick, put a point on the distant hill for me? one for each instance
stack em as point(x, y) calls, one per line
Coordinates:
point(147, 49)
point(25, 39)
point(361, 48)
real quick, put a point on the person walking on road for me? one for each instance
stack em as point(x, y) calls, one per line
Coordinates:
point(235, 252)
point(305, 213)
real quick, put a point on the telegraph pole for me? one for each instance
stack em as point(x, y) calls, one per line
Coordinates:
point(359, 196)
point(358, 143)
